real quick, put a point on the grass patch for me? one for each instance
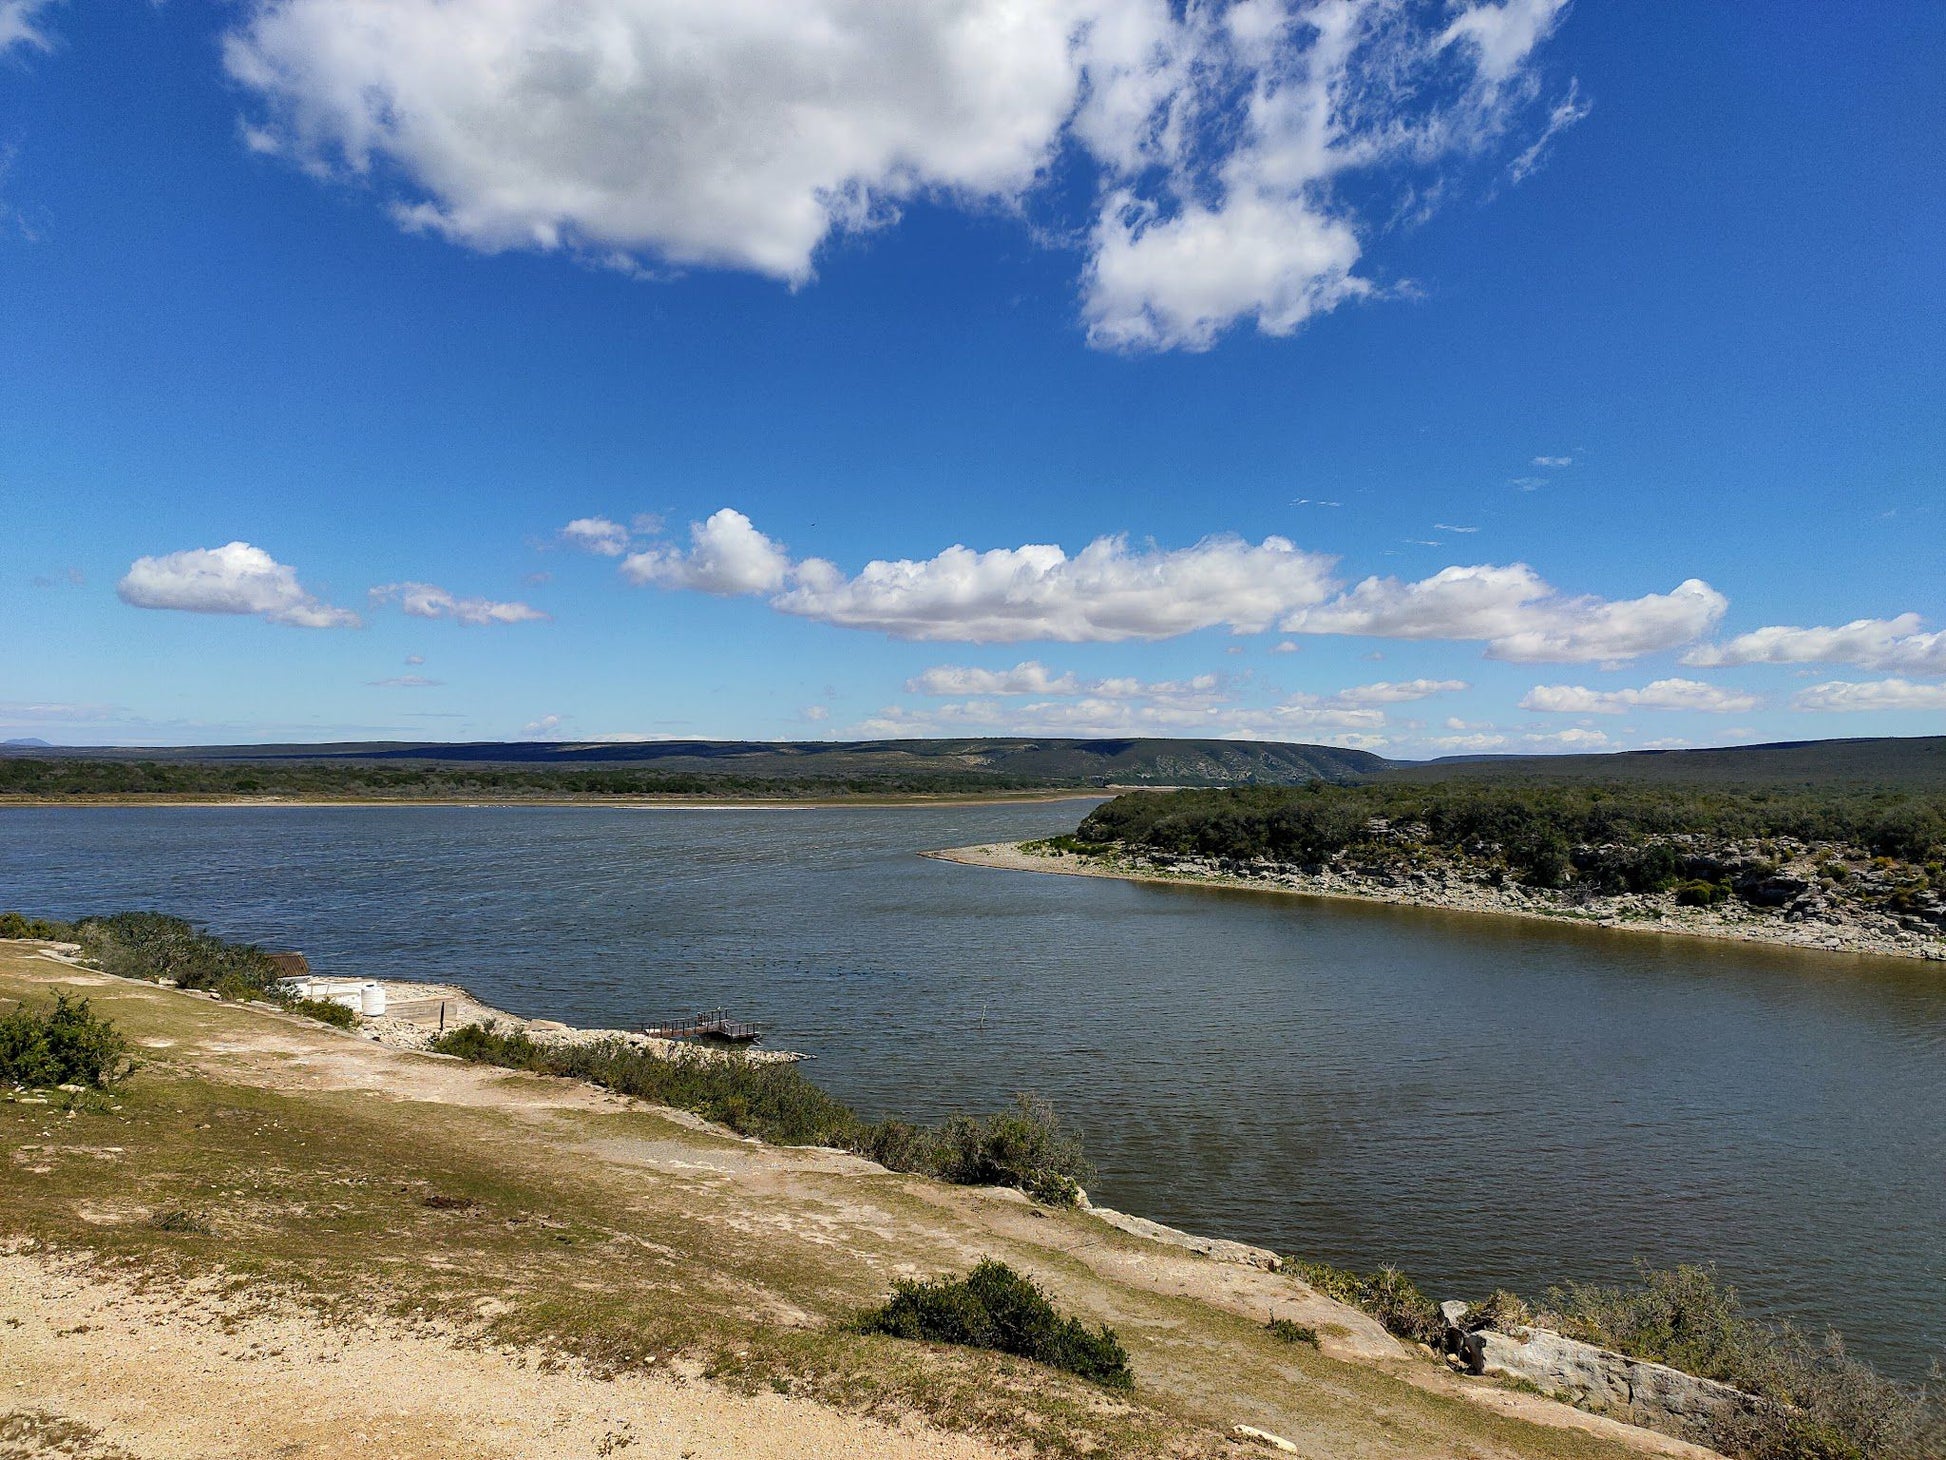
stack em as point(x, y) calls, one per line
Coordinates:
point(1023, 1146)
point(68, 1044)
point(994, 1307)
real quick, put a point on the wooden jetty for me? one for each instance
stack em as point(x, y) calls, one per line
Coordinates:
point(717, 1025)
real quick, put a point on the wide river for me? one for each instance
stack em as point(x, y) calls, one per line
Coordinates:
point(1485, 1102)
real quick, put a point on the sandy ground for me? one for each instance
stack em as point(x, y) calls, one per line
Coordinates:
point(90, 1369)
point(1692, 923)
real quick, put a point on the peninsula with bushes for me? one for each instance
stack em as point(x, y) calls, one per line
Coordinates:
point(1841, 865)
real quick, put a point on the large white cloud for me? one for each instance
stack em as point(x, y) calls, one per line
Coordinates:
point(1106, 592)
point(1110, 591)
point(746, 134)
point(1878, 694)
point(1869, 643)
point(429, 600)
point(1662, 694)
point(234, 578)
point(1519, 615)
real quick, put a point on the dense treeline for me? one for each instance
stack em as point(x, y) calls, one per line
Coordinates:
point(1541, 832)
point(51, 777)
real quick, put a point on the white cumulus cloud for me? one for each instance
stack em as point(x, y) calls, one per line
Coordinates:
point(1869, 643)
point(649, 133)
point(1105, 593)
point(727, 556)
point(428, 600)
point(1879, 694)
point(234, 578)
point(1519, 615)
point(1662, 694)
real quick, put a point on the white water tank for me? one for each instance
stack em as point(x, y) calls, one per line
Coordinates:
point(371, 1000)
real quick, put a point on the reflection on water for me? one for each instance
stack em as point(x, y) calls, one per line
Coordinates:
point(1483, 1101)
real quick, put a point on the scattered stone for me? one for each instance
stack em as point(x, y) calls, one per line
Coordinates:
point(1251, 1435)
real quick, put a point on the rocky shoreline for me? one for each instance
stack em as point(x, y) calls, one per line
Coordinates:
point(1801, 915)
point(417, 1013)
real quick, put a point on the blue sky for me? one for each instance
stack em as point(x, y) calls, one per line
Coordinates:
point(1429, 378)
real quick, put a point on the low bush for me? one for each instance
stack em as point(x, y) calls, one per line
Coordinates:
point(17, 925)
point(1829, 1405)
point(66, 1045)
point(1701, 894)
point(994, 1307)
point(1284, 1330)
point(325, 1011)
point(1022, 1146)
point(1387, 1294)
point(154, 946)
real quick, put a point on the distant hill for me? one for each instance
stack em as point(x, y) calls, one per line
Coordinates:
point(684, 766)
point(847, 767)
point(1905, 763)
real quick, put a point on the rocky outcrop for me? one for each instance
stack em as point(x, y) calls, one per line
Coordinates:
point(1217, 1249)
point(1636, 1391)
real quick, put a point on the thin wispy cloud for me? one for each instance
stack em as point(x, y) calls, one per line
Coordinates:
point(22, 25)
point(1564, 114)
point(1662, 694)
point(429, 600)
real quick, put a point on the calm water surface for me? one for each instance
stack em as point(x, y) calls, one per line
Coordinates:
point(1484, 1102)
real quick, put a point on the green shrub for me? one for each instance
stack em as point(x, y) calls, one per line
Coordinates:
point(67, 1045)
point(325, 1011)
point(17, 925)
point(1023, 1146)
point(153, 946)
point(1701, 894)
point(994, 1307)
point(1387, 1294)
point(1286, 1331)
